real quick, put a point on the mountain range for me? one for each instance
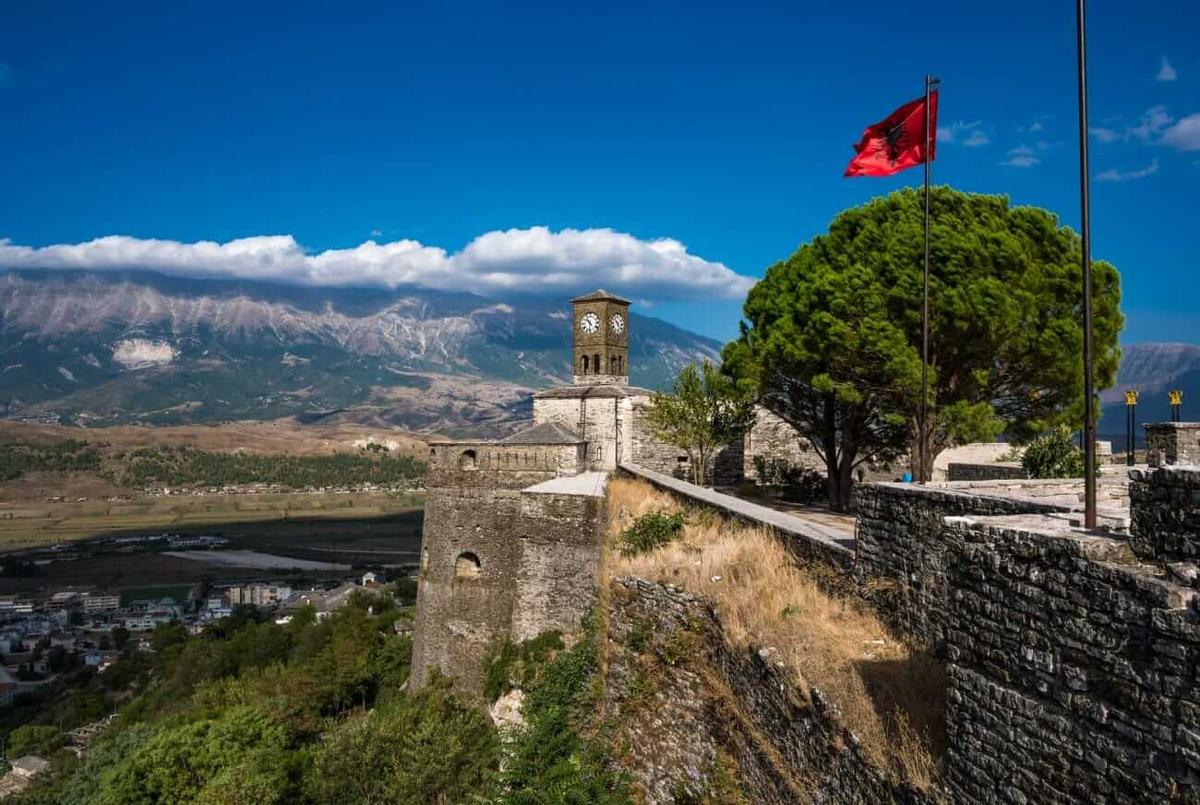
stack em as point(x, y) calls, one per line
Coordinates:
point(109, 348)
point(105, 348)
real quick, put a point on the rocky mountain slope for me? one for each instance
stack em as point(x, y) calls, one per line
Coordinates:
point(109, 348)
point(1153, 369)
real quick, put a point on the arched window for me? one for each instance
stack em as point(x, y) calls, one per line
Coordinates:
point(467, 566)
point(596, 363)
point(583, 365)
point(467, 460)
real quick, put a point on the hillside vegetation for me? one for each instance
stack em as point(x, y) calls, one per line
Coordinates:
point(890, 694)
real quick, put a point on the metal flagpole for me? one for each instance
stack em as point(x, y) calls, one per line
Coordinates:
point(1089, 408)
point(930, 81)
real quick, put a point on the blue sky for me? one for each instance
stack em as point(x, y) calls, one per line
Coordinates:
point(723, 128)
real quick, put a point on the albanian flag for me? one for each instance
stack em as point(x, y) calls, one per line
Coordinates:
point(897, 142)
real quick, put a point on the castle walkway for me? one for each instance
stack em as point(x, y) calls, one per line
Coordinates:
point(816, 535)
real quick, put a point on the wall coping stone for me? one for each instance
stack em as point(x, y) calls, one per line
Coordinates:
point(1174, 474)
point(1089, 546)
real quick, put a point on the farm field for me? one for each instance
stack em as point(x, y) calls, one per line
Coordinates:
point(25, 525)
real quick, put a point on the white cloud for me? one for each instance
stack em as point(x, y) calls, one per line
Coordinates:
point(1104, 135)
point(969, 134)
point(1114, 175)
point(1037, 126)
point(1166, 72)
point(1184, 135)
point(1022, 157)
point(1152, 124)
point(376, 233)
point(514, 261)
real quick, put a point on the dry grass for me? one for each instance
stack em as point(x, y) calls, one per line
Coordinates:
point(890, 695)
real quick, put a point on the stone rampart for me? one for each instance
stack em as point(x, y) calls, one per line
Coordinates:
point(453, 464)
point(684, 693)
point(771, 439)
point(1166, 513)
point(465, 591)
point(902, 549)
point(1073, 668)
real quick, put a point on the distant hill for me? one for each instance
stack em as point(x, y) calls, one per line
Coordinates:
point(1153, 369)
point(104, 348)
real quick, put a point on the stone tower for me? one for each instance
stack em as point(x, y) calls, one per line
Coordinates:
point(601, 335)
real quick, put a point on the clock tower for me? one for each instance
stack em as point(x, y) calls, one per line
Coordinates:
point(601, 334)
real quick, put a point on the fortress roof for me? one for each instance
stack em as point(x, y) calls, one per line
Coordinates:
point(545, 433)
point(599, 295)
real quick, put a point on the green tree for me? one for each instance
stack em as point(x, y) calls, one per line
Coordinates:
point(34, 739)
point(417, 748)
point(704, 411)
point(831, 340)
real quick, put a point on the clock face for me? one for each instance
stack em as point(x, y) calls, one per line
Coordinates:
point(590, 323)
point(617, 323)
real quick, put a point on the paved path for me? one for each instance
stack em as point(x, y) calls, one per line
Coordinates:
point(827, 534)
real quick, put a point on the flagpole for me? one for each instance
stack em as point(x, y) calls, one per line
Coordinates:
point(922, 412)
point(1089, 412)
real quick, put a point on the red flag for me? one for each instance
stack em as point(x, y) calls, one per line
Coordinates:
point(898, 142)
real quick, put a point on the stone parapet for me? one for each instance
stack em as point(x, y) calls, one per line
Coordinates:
point(1165, 513)
point(902, 548)
point(1073, 674)
point(1172, 443)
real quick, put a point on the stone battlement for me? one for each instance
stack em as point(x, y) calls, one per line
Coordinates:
point(1072, 655)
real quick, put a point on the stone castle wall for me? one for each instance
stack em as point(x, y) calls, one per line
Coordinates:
point(724, 468)
point(1166, 513)
point(984, 471)
point(901, 543)
point(773, 439)
point(471, 552)
point(1073, 669)
point(558, 562)
point(1072, 657)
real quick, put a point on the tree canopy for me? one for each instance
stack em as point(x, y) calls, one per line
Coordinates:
point(831, 339)
point(704, 411)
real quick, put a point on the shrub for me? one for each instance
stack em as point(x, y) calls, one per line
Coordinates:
point(1053, 455)
point(552, 760)
point(802, 484)
point(650, 531)
point(516, 665)
point(417, 748)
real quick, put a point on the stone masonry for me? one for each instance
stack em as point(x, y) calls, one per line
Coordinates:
point(1173, 443)
point(1072, 672)
point(1166, 513)
point(1072, 656)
